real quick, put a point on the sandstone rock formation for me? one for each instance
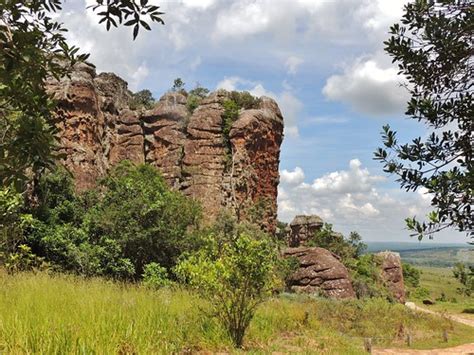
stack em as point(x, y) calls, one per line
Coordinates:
point(302, 228)
point(320, 272)
point(97, 129)
point(392, 274)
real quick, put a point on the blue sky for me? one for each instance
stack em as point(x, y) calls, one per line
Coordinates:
point(321, 60)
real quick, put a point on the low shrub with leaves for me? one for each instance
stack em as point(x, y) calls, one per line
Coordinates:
point(155, 276)
point(132, 219)
point(235, 277)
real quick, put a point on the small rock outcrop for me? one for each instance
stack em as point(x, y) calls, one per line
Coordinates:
point(302, 228)
point(235, 170)
point(320, 272)
point(392, 274)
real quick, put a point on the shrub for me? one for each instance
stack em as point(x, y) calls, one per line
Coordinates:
point(465, 275)
point(178, 85)
point(235, 277)
point(24, 260)
point(420, 293)
point(155, 276)
point(130, 220)
point(411, 275)
point(195, 97)
point(142, 99)
point(347, 249)
point(244, 100)
point(13, 220)
point(367, 279)
point(148, 220)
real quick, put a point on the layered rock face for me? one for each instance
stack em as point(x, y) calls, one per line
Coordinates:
point(392, 274)
point(320, 272)
point(97, 129)
point(302, 228)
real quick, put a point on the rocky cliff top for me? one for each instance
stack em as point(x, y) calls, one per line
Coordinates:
point(234, 168)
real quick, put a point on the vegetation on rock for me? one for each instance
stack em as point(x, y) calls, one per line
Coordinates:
point(142, 99)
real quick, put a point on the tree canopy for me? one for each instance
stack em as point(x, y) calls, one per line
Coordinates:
point(33, 47)
point(433, 49)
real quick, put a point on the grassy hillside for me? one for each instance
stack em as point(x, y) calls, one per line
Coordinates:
point(428, 254)
point(439, 257)
point(440, 281)
point(64, 314)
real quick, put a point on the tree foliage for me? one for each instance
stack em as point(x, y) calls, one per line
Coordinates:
point(235, 277)
point(433, 49)
point(132, 219)
point(33, 47)
point(346, 248)
point(465, 275)
point(142, 99)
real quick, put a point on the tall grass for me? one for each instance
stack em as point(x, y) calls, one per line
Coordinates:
point(57, 314)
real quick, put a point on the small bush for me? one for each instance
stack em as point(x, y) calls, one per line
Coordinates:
point(235, 277)
point(155, 276)
point(411, 275)
point(24, 260)
point(195, 97)
point(142, 99)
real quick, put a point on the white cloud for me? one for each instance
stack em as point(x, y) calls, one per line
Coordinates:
point(368, 88)
point(351, 199)
point(199, 4)
point(241, 19)
point(324, 120)
point(294, 177)
point(137, 76)
point(292, 64)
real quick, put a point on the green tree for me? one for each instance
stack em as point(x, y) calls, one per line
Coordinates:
point(13, 221)
point(142, 99)
point(465, 275)
point(130, 220)
point(148, 220)
point(433, 49)
point(411, 275)
point(234, 277)
point(178, 85)
point(347, 249)
point(34, 47)
point(195, 97)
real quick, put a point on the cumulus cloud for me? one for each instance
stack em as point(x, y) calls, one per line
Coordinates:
point(351, 199)
point(289, 104)
point(368, 88)
point(294, 177)
point(292, 64)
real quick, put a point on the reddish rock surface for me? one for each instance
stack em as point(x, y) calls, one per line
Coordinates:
point(392, 274)
point(302, 228)
point(97, 129)
point(320, 272)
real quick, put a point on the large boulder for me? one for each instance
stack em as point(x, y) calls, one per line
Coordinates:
point(319, 272)
point(235, 170)
point(392, 274)
point(302, 228)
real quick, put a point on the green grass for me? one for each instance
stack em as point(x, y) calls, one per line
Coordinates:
point(57, 314)
point(439, 257)
point(439, 281)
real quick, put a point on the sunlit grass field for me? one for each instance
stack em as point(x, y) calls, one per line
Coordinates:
point(57, 314)
point(441, 280)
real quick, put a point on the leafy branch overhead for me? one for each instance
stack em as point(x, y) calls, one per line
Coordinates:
point(129, 13)
point(433, 49)
point(33, 48)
